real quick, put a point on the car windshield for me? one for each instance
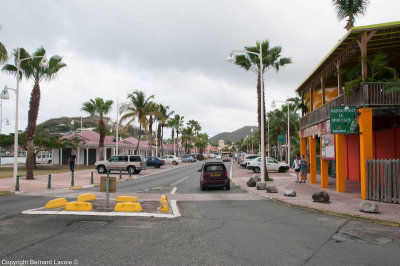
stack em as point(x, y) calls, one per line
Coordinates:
point(214, 168)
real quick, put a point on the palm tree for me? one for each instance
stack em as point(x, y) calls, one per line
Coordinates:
point(178, 127)
point(99, 107)
point(350, 9)
point(138, 108)
point(272, 59)
point(3, 53)
point(187, 138)
point(171, 123)
point(153, 112)
point(31, 69)
point(163, 121)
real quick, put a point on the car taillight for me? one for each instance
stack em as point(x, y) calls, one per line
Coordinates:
point(204, 175)
point(141, 164)
point(226, 173)
point(248, 163)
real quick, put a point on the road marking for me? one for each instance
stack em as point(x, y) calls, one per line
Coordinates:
point(173, 190)
point(174, 207)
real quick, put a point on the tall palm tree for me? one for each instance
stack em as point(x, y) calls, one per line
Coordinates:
point(272, 59)
point(187, 138)
point(31, 69)
point(166, 114)
point(178, 127)
point(3, 53)
point(153, 113)
point(350, 9)
point(171, 123)
point(195, 125)
point(99, 107)
point(138, 108)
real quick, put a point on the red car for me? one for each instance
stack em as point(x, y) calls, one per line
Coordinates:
point(214, 174)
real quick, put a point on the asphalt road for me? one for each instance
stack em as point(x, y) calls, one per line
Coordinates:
point(217, 231)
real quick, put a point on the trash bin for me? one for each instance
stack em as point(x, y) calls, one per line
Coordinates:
point(112, 184)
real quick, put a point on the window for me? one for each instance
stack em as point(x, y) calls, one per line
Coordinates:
point(214, 168)
point(114, 159)
point(123, 158)
point(134, 158)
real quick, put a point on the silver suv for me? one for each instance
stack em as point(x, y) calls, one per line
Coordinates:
point(131, 163)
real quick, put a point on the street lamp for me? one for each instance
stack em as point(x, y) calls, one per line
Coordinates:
point(44, 64)
point(3, 95)
point(231, 59)
point(73, 123)
point(288, 127)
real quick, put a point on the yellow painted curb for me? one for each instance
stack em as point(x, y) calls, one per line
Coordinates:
point(86, 197)
point(129, 178)
point(4, 193)
point(75, 188)
point(126, 199)
point(96, 185)
point(118, 181)
point(56, 203)
point(164, 204)
point(128, 207)
point(78, 206)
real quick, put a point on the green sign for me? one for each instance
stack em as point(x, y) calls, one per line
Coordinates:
point(344, 120)
point(281, 138)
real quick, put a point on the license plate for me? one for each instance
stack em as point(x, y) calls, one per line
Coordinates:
point(215, 175)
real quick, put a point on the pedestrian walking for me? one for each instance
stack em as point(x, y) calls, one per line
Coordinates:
point(303, 169)
point(71, 161)
point(296, 165)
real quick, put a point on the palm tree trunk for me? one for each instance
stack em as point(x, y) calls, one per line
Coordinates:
point(140, 135)
point(30, 134)
point(172, 137)
point(162, 137)
point(177, 140)
point(101, 140)
point(150, 135)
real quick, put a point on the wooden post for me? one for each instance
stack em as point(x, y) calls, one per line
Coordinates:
point(322, 78)
point(362, 43)
point(302, 101)
point(311, 99)
point(339, 76)
point(366, 145)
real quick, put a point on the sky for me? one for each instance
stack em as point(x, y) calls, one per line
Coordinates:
point(172, 49)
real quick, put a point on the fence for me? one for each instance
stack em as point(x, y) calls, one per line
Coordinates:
point(383, 180)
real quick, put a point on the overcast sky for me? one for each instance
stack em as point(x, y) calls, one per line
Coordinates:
point(175, 50)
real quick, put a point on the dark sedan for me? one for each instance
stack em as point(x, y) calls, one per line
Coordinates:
point(214, 174)
point(154, 161)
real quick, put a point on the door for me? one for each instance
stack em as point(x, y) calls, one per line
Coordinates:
point(92, 156)
point(272, 164)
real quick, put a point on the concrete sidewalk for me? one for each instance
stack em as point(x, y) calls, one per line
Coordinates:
point(81, 179)
point(342, 203)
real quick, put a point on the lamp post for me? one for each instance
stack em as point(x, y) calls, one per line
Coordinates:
point(231, 59)
point(3, 95)
point(44, 64)
point(288, 128)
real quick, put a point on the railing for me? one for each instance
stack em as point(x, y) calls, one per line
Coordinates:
point(383, 180)
point(370, 94)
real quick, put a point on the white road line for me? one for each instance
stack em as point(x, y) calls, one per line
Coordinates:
point(173, 190)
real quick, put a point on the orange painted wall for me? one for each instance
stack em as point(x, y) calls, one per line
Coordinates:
point(352, 157)
point(387, 143)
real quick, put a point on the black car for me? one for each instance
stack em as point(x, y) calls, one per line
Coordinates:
point(214, 174)
point(154, 161)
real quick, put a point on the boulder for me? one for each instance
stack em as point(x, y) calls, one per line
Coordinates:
point(321, 197)
point(261, 186)
point(290, 193)
point(252, 182)
point(271, 189)
point(369, 207)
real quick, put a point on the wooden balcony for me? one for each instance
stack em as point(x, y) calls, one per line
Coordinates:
point(370, 94)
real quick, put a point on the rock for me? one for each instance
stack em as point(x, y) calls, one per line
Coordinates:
point(369, 207)
point(321, 197)
point(271, 189)
point(261, 185)
point(252, 182)
point(290, 193)
point(255, 176)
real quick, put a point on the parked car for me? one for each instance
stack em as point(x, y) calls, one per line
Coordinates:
point(171, 159)
point(154, 161)
point(195, 156)
point(226, 158)
point(214, 174)
point(218, 156)
point(272, 165)
point(187, 159)
point(248, 157)
point(131, 163)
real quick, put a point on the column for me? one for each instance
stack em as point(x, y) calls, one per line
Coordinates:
point(52, 156)
point(340, 163)
point(60, 156)
point(105, 153)
point(339, 77)
point(324, 170)
point(313, 159)
point(79, 157)
point(366, 145)
point(322, 78)
point(303, 146)
point(311, 99)
point(87, 155)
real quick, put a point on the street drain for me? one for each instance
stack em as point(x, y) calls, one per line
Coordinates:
point(87, 224)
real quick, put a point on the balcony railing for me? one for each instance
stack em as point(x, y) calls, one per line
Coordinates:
point(370, 94)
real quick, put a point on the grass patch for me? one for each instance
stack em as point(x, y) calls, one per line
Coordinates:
point(8, 172)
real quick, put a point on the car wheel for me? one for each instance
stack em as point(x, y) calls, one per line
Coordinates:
point(137, 172)
point(256, 170)
point(203, 188)
point(131, 170)
point(174, 163)
point(101, 169)
point(157, 166)
point(228, 187)
point(281, 170)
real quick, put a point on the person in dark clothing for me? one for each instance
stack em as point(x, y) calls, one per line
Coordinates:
point(71, 162)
